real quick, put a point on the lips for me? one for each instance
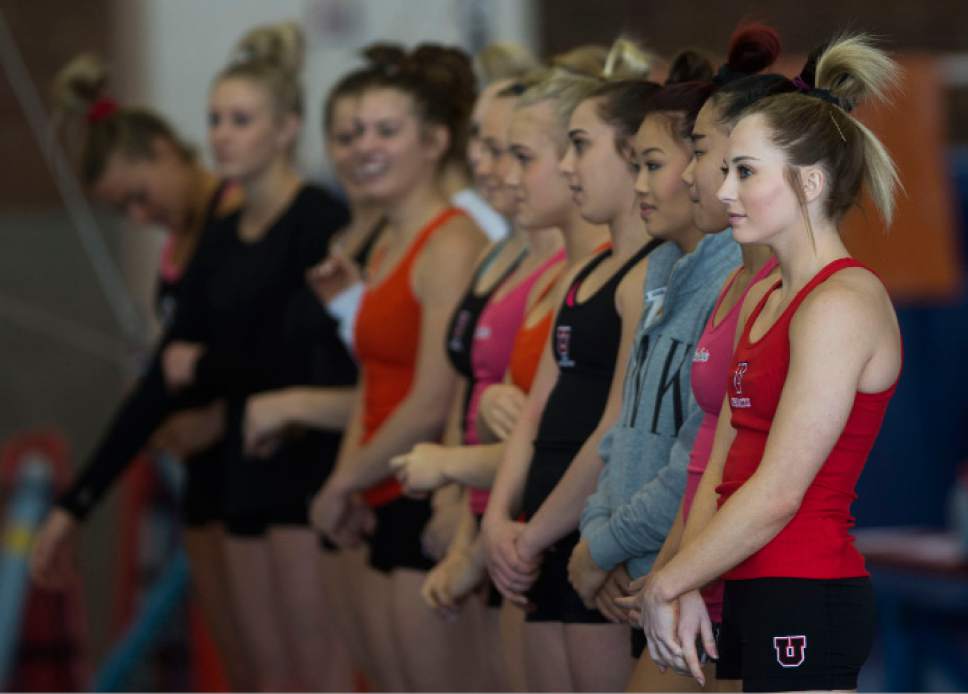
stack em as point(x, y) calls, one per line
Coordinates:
point(735, 218)
point(645, 210)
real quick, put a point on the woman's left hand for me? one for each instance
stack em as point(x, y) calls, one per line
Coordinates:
point(421, 471)
point(178, 362)
point(585, 576)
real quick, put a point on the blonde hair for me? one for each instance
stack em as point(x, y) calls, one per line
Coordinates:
point(271, 55)
point(816, 128)
point(501, 61)
point(92, 141)
point(566, 88)
point(588, 60)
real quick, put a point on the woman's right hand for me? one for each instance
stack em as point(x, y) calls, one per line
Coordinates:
point(333, 275)
point(52, 553)
point(500, 408)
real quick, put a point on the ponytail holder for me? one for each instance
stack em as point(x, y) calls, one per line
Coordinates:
point(822, 94)
point(103, 108)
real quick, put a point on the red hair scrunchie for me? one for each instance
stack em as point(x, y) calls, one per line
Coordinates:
point(105, 107)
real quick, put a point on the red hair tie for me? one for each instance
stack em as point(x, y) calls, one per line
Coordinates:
point(105, 107)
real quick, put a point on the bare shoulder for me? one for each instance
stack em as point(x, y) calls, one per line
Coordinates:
point(629, 296)
point(853, 299)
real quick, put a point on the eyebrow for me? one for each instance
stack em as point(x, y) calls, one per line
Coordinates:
point(744, 157)
point(696, 136)
point(648, 151)
point(576, 131)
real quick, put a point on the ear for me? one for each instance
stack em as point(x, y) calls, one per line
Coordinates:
point(288, 131)
point(813, 180)
point(436, 140)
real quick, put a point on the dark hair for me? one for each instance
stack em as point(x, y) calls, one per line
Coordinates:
point(439, 79)
point(752, 48)
point(131, 131)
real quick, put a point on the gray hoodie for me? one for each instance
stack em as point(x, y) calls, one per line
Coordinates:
point(647, 450)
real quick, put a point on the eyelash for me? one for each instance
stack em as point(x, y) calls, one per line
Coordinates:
point(698, 153)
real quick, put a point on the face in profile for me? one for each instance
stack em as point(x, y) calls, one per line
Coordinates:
point(540, 190)
point(759, 198)
point(600, 177)
point(394, 149)
point(494, 155)
point(663, 156)
point(704, 175)
point(152, 190)
point(341, 134)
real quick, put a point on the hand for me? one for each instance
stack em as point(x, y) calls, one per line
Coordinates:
point(585, 576)
point(450, 582)
point(331, 508)
point(360, 524)
point(188, 432)
point(265, 417)
point(178, 362)
point(333, 275)
point(694, 623)
point(421, 470)
point(440, 530)
point(616, 586)
point(512, 574)
point(52, 553)
point(499, 410)
point(659, 618)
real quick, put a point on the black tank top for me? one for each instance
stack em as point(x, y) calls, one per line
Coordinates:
point(463, 322)
point(362, 255)
point(585, 343)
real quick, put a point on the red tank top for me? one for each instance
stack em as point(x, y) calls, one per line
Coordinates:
point(387, 336)
point(816, 543)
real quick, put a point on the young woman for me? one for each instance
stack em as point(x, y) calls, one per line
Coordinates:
point(484, 353)
point(412, 123)
point(568, 401)
point(645, 453)
point(133, 160)
point(798, 610)
point(752, 48)
point(246, 337)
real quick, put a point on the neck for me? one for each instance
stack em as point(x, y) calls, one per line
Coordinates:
point(800, 259)
point(755, 256)
point(581, 237)
point(688, 238)
point(628, 233)
point(410, 213)
point(201, 185)
point(543, 243)
point(266, 194)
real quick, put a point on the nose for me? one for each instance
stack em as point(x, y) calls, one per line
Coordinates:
point(689, 175)
point(642, 182)
point(727, 191)
point(567, 164)
point(512, 174)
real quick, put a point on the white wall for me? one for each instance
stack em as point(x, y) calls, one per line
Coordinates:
point(173, 48)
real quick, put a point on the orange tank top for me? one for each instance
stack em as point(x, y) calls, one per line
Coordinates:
point(387, 336)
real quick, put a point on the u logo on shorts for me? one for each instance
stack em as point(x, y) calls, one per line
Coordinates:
point(791, 651)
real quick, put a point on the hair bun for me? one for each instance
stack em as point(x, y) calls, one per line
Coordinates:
point(503, 61)
point(689, 65)
point(277, 45)
point(753, 48)
point(852, 68)
point(79, 84)
point(627, 60)
point(588, 60)
point(384, 55)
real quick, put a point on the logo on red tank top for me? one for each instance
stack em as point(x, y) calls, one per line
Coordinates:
point(563, 345)
point(791, 651)
point(700, 356)
point(738, 373)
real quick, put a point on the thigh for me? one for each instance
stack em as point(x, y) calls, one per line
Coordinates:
point(598, 656)
point(546, 658)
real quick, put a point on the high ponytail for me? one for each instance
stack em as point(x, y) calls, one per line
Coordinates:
point(95, 127)
point(271, 55)
point(813, 126)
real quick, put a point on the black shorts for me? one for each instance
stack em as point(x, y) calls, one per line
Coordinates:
point(396, 542)
point(796, 634)
point(256, 524)
point(201, 501)
point(552, 597)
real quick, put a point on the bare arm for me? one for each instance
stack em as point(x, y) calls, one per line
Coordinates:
point(561, 511)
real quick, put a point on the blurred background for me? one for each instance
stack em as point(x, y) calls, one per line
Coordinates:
point(75, 292)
